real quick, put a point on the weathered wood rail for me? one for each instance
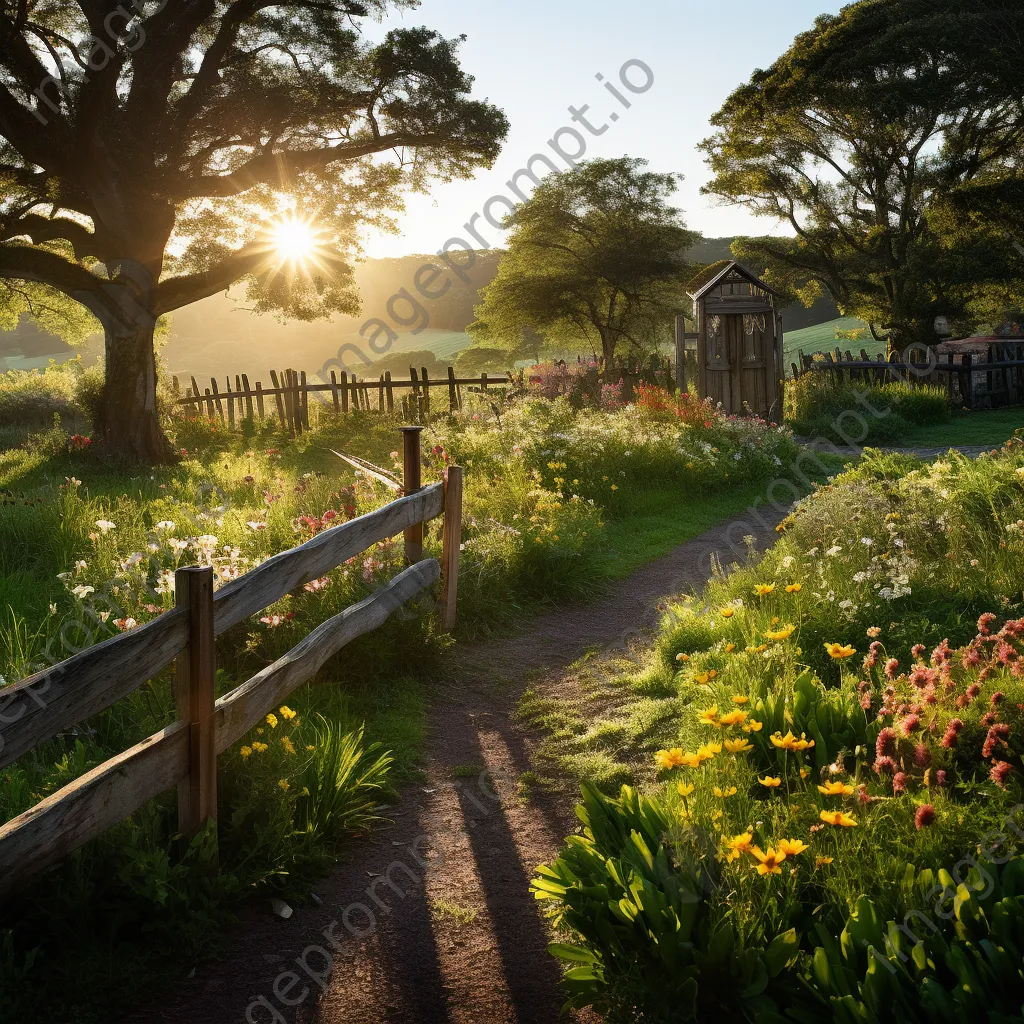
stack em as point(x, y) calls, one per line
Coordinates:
point(288, 399)
point(969, 381)
point(185, 753)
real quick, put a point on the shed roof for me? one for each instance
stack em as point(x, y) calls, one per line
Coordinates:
point(711, 276)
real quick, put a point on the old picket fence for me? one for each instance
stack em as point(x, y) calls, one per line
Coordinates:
point(992, 379)
point(289, 396)
point(184, 754)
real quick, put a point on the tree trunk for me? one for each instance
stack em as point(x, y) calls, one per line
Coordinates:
point(128, 426)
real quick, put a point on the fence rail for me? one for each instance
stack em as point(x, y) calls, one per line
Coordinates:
point(185, 753)
point(289, 396)
point(993, 378)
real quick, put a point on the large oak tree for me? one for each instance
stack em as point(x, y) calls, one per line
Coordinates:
point(149, 149)
point(596, 256)
point(851, 138)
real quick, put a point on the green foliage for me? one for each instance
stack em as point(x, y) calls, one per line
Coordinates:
point(847, 412)
point(34, 397)
point(959, 958)
point(596, 257)
point(649, 944)
point(851, 137)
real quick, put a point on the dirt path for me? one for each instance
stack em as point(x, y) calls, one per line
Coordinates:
point(432, 919)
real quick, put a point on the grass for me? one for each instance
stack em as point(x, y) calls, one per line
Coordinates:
point(970, 428)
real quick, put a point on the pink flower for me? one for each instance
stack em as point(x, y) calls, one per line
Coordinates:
point(997, 735)
point(985, 621)
point(899, 782)
point(924, 816)
point(949, 740)
point(885, 766)
point(917, 650)
point(922, 755)
point(891, 668)
point(940, 778)
point(885, 745)
point(1000, 772)
point(910, 724)
point(997, 698)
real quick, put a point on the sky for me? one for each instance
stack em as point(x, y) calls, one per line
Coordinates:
point(536, 58)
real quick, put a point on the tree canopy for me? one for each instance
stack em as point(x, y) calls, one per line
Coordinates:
point(596, 257)
point(851, 139)
point(152, 153)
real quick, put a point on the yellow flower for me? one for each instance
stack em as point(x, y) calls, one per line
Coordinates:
point(790, 742)
point(309, 746)
point(260, 748)
point(708, 751)
point(738, 699)
point(712, 674)
point(838, 818)
point(287, 744)
point(764, 589)
point(737, 845)
point(272, 721)
point(614, 487)
point(284, 784)
point(770, 782)
point(724, 794)
point(673, 758)
point(804, 773)
point(738, 746)
point(710, 715)
point(729, 648)
point(733, 718)
point(836, 789)
point(286, 712)
point(245, 752)
point(840, 651)
point(701, 678)
point(685, 788)
point(760, 649)
point(305, 791)
point(753, 726)
point(794, 588)
point(770, 860)
point(728, 613)
point(792, 847)
point(821, 862)
point(781, 634)
point(682, 657)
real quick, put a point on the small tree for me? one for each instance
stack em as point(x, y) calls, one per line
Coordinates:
point(154, 153)
point(596, 256)
point(852, 135)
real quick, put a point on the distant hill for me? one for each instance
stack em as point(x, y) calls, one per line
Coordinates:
point(822, 338)
point(218, 336)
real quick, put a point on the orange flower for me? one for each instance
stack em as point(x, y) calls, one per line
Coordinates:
point(770, 860)
point(838, 818)
point(738, 746)
point(685, 789)
point(673, 758)
point(840, 652)
point(794, 588)
point(770, 783)
point(710, 715)
point(737, 699)
point(764, 589)
point(836, 789)
point(724, 794)
point(733, 718)
point(728, 613)
point(781, 634)
point(792, 847)
point(753, 726)
point(790, 742)
point(737, 845)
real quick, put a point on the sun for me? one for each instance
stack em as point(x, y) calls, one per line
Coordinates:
point(294, 240)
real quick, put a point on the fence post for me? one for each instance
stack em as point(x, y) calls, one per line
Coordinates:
point(412, 481)
point(451, 545)
point(194, 678)
point(453, 399)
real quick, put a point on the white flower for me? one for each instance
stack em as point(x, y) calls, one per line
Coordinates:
point(165, 526)
point(132, 560)
point(787, 562)
point(165, 582)
point(53, 609)
point(82, 591)
point(81, 565)
point(206, 541)
point(105, 525)
point(866, 541)
point(861, 577)
point(833, 551)
point(253, 525)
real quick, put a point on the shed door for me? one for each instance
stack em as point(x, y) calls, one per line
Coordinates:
point(740, 361)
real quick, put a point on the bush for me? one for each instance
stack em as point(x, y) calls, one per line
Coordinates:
point(846, 412)
point(34, 397)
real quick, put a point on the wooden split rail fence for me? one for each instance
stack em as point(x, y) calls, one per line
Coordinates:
point(289, 396)
point(184, 754)
point(969, 381)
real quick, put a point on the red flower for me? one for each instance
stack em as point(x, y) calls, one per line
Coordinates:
point(924, 816)
point(910, 724)
point(984, 622)
point(922, 755)
point(940, 777)
point(1000, 772)
point(997, 735)
point(899, 782)
point(885, 745)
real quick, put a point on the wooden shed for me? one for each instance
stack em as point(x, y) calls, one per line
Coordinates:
point(739, 340)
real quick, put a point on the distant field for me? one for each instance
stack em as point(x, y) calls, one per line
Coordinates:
point(293, 346)
point(822, 338)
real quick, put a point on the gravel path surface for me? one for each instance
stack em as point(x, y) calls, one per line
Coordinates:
point(432, 919)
